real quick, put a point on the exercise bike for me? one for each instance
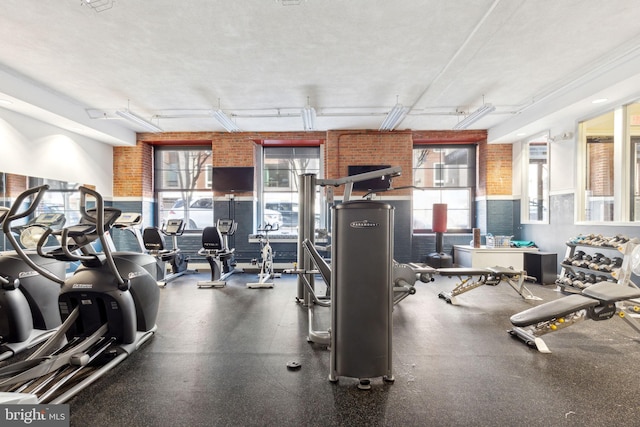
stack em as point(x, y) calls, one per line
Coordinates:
point(266, 259)
point(155, 244)
point(215, 248)
point(108, 306)
point(28, 301)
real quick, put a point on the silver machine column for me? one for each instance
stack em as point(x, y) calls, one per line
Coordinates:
point(362, 298)
point(306, 227)
point(306, 267)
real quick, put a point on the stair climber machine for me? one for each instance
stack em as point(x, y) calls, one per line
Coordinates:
point(28, 301)
point(108, 306)
point(215, 248)
point(154, 242)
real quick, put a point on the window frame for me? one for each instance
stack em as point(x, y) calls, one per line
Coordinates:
point(525, 183)
point(624, 174)
point(442, 188)
point(162, 213)
point(289, 228)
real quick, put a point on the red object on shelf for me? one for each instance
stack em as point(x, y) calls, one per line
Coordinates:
point(439, 217)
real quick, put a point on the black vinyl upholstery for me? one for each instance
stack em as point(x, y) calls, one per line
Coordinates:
point(153, 239)
point(212, 239)
point(553, 310)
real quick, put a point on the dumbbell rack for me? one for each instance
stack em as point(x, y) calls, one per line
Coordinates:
point(592, 259)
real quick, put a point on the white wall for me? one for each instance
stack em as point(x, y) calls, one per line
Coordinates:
point(563, 160)
point(33, 148)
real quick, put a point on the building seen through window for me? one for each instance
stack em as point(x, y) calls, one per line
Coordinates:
point(281, 167)
point(443, 174)
point(183, 185)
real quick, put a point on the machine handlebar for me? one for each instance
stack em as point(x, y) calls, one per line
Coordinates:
point(269, 227)
point(15, 213)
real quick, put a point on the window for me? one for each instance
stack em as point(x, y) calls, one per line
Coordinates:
point(634, 134)
point(609, 179)
point(208, 176)
point(600, 180)
point(183, 185)
point(281, 167)
point(438, 174)
point(444, 174)
point(61, 198)
point(598, 145)
point(535, 200)
point(635, 143)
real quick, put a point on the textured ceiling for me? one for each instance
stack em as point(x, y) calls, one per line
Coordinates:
point(174, 62)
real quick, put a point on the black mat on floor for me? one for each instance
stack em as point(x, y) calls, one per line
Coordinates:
point(220, 358)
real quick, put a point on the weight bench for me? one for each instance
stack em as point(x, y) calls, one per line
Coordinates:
point(597, 302)
point(471, 278)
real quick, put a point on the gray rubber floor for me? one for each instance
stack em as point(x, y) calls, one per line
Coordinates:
point(220, 358)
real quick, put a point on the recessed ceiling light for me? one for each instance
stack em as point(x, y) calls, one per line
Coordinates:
point(599, 100)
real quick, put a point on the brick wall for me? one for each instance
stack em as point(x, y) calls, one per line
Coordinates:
point(228, 149)
point(600, 169)
point(16, 184)
point(340, 149)
point(133, 170)
point(232, 151)
point(345, 148)
point(495, 169)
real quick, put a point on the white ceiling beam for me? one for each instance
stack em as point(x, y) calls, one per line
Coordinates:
point(43, 104)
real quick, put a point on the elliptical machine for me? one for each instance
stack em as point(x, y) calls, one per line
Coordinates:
point(108, 307)
point(155, 244)
point(215, 247)
point(28, 301)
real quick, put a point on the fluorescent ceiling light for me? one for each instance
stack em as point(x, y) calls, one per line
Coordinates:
point(225, 121)
point(309, 118)
point(98, 5)
point(134, 118)
point(475, 116)
point(599, 100)
point(5, 102)
point(395, 116)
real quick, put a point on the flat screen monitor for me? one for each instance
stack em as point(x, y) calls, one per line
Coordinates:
point(375, 184)
point(232, 179)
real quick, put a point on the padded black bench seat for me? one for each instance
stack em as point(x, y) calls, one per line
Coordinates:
point(553, 309)
point(597, 294)
point(462, 271)
point(611, 292)
point(504, 270)
point(470, 271)
point(472, 278)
